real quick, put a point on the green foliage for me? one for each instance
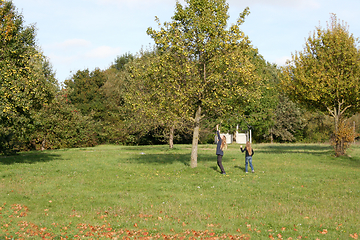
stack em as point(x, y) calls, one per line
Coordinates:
point(202, 66)
point(325, 76)
point(97, 96)
point(261, 113)
point(141, 113)
point(7, 142)
point(85, 91)
point(288, 121)
point(22, 77)
point(26, 77)
point(121, 61)
point(112, 122)
point(60, 125)
point(208, 62)
point(318, 127)
point(201, 72)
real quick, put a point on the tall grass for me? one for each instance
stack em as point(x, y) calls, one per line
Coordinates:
point(297, 190)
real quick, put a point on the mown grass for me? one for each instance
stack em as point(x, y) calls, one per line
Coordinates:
point(297, 191)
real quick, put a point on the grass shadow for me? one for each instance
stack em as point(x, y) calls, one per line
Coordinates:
point(294, 148)
point(241, 168)
point(157, 158)
point(169, 157)
point(344, 161)
point(29, 158)
point(172, 158)
point(216, 169)
point(322, 150)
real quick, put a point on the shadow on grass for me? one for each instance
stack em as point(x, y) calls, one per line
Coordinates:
point(29, 158)
point(307, 149)
point(170, 158)
point(322, 150)
point(345, 161)
point(241, 168)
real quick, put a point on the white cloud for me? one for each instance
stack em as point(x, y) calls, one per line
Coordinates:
point(70, 43)
point(299, 4)
point(302, 4)
point(63, 60)
point(281, 61)
point(139, 3)
point(103, 52)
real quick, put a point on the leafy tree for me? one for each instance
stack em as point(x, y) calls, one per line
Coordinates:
point(85, 91)
point(167, 106)
point(143, 113)
point(121, 61)
point(209, 63)
point(326, 74)
point(114, 89)
point(318, 127)
point(26, 78)
point(149, 119)
point(288, 121)
point(100, 95)
point(260, 114)
point(60, 124)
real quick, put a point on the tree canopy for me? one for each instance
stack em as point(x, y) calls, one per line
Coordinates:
point(326, 74)
point(208, 65)
point(27, 81)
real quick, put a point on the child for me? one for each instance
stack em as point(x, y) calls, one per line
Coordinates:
point(248, 156)
point(221, 146)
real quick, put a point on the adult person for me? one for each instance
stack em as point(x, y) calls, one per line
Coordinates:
point(249, 152)
point(221, 146)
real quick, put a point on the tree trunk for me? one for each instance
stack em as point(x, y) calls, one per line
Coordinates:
point(43, 144)
point(339, 141)
point(336, 135)
point(193, 162)
point(171, 137)
point(354, 131)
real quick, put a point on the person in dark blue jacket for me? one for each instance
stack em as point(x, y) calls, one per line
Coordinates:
point(221, 146)
point(249, 152)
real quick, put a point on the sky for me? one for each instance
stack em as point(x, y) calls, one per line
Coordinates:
point(88, 34)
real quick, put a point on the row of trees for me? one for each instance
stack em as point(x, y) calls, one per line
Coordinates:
point(200, 72)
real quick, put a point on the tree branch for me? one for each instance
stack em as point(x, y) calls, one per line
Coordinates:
point(332, 113)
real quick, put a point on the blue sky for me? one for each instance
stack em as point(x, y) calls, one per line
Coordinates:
point(89, 34)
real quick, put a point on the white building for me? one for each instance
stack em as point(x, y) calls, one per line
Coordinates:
point(240, 138)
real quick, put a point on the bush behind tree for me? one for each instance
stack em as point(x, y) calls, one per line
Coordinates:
point(61, 125)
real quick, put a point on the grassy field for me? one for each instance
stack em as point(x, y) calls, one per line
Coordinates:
point(297, 191)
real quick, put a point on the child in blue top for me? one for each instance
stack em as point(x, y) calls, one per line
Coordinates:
point(249, 152)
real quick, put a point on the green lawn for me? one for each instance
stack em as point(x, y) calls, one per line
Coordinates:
point(297, 191)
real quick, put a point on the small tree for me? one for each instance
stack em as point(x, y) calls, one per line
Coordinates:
point(343, 138)
point(326, 75)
